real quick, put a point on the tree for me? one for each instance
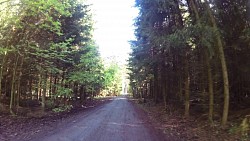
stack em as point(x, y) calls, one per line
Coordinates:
point(112, 78)
point(45, 44)
point(177, 49)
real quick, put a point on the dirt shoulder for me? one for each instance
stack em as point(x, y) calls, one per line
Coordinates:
point(155, 124)
point(193, 129)
point(15, 128)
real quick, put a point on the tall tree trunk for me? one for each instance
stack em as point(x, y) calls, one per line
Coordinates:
point(209, 71)
point(44, 86)
point(19, 83)
point(81, 93)
point(50, 85)
point(180, 88)
point(30, 88)
point(155, 93)
point(164, 91)
point(54, 85)
point(210, 88)
point(38, 89)
point(75, 92)
point(187, 88)
point(12, 94)
point(1, 74)
point(62, 80)
point(1, 78)
point(151, 88)
point(84, 94)
point(163, 79)
point(223, 66)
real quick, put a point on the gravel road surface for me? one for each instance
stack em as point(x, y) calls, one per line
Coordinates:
point(118, 120)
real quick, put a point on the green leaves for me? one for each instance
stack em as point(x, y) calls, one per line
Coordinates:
point(4, 51)
point(112, 78)
point(89, 69)
point(63, 92)
point(53, 37)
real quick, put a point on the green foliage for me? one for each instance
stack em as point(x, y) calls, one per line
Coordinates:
point(242, 129)
point(53, 43)
point(245, 126)
point(89, 69)
point(47, 10)
point(112, 78)
point(50, 104)
point(63, 92)
point(62, 108)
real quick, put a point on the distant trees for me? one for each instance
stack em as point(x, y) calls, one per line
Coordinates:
point(47, 53)
point(112, 79)
point(192, 50)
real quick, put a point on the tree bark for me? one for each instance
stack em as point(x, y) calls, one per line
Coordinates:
point(19, 82)
point(44, 91)
point(187, 88)
point(210, 88)
point(223, 66)
point(44, 86)
point(54, 85)
point(1, 74)
point(155, 87)
point(164, 92)
point(50, 84)
point(12, 94)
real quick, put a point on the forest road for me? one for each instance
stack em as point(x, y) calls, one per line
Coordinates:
point(118, 120)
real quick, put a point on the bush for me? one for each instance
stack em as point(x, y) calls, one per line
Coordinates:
point(62, 108)
point(66, 92)
point(50, 104)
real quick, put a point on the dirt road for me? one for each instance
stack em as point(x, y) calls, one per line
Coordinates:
point(117, 120)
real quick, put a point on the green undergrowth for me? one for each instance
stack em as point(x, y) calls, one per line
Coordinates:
point(62, 108)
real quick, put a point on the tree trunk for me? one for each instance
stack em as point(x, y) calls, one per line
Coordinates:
point(62, 80)
point(12, 94)
point(19, 83)
point(30, 88)
point(1, 74)
point(163, 79)
point(151, 88)
point(180, 87)
point(44, 86)
point(39, 87)
point(54, 85)
point(81, 93)
point(164, 92)
point(75, 90)
point(50, 85)
point(210, 89)
point(223, 67)
point(155, 93)
point(187, 89)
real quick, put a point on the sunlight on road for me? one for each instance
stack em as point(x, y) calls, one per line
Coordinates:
point(120, 98)
point(123, 124)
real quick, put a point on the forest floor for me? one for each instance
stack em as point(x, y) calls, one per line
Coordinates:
point(197, 128)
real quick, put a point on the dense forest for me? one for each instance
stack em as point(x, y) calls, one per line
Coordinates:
point(193, 55)
point(48, 56)
point(188, 55)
